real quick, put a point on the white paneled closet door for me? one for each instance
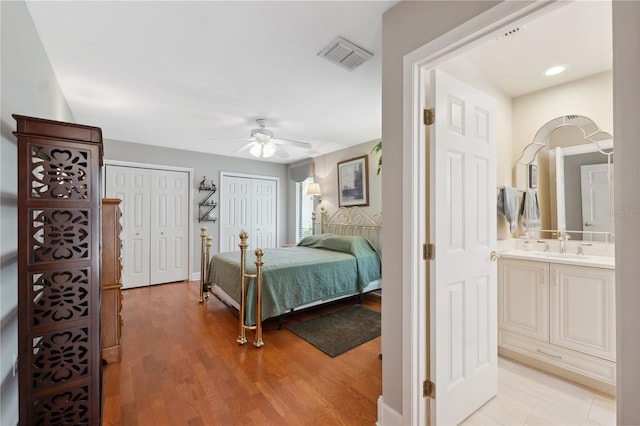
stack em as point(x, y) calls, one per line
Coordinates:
point(234, 211)
point(264, 220)
point(169, 226)
point(132, 185)
point(248, 204)
point(155, 226)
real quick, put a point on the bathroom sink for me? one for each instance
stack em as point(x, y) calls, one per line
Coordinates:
point(569, 258)
point(565, 255)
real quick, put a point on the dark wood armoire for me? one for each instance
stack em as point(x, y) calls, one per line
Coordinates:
point(59, 198)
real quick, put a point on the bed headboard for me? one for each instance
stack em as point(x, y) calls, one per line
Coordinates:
point(350, 221)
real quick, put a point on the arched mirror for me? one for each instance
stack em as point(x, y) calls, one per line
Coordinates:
point(570, 164)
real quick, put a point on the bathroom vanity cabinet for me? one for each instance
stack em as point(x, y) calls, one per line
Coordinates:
point(559, 317)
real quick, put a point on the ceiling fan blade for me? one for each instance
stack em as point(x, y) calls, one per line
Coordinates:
point(290, 142)
point(280, 152)
point(229, 139)
point(244, 148)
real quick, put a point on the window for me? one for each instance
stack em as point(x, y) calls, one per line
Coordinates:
point(304, 209)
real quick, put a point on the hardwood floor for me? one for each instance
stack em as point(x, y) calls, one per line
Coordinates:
point(181, 366)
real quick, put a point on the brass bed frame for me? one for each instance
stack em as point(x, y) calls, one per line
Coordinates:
point(345, 221)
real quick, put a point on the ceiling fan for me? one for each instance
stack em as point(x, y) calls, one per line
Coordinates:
point(262, 144)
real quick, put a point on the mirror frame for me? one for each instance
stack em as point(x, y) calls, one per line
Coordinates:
point(600, 141)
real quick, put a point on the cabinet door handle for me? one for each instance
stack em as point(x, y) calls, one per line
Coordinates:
point(542, 280)
point(548, 354)
point(555, 278)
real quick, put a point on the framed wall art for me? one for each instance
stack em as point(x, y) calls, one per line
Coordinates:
point(353, 182)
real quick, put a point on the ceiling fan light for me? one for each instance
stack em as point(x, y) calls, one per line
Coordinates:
point(256, 150)
point(262, 150)
point(268, 150)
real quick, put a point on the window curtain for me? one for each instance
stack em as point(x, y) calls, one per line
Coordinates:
point(300, 171)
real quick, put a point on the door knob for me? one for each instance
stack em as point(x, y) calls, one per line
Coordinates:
point(588, 224)
point(493, 255)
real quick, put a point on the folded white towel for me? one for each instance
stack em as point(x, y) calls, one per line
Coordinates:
point(530, 210)
point(508, 206)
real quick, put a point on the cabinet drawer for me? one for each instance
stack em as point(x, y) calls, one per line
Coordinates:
point(595, 368)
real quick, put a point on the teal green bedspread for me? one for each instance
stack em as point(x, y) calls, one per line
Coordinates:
point(321, 267)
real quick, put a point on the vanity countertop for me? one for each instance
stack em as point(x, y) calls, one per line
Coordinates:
point(569, 259)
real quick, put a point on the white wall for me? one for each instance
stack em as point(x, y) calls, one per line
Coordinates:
point(626, 89)
point(28, 87)
point(590, 96)
point(405, 27)
point(327, 176)
point(208, 165)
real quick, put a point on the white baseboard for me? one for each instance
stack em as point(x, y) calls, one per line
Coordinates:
point(195, 276)
point(387, 416)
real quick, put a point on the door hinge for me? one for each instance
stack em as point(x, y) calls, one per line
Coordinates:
point(428, 251)
point(428, 389)
point(429, 116)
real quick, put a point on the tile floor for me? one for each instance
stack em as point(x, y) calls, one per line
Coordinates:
point(527, 396)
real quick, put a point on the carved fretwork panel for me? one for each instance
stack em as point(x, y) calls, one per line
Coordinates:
point(59, 269)
point(60, 296)
point(59, 172)
point(70, 407)
point(60, 234)
point(60, 357)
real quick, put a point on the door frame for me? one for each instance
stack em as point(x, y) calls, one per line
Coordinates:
point(221, 199)
point(192, 275)
point(416, 64)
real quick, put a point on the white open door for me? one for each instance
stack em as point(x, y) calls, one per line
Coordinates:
point(463, 288)
point(595, 181)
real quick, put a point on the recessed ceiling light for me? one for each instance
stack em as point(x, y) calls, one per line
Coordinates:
point(555, 70)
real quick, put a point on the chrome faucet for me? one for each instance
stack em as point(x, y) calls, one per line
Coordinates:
point(563, 237)
point(546, 245)
point(580, 246)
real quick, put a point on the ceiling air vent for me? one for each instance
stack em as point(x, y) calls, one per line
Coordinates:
point(345, 53)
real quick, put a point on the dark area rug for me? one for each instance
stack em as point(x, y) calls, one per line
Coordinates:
point(340, 331)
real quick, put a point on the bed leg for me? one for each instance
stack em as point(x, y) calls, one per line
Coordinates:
point(281, 319)
point(203, 261)
point(259, 342)
point(242, 338)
